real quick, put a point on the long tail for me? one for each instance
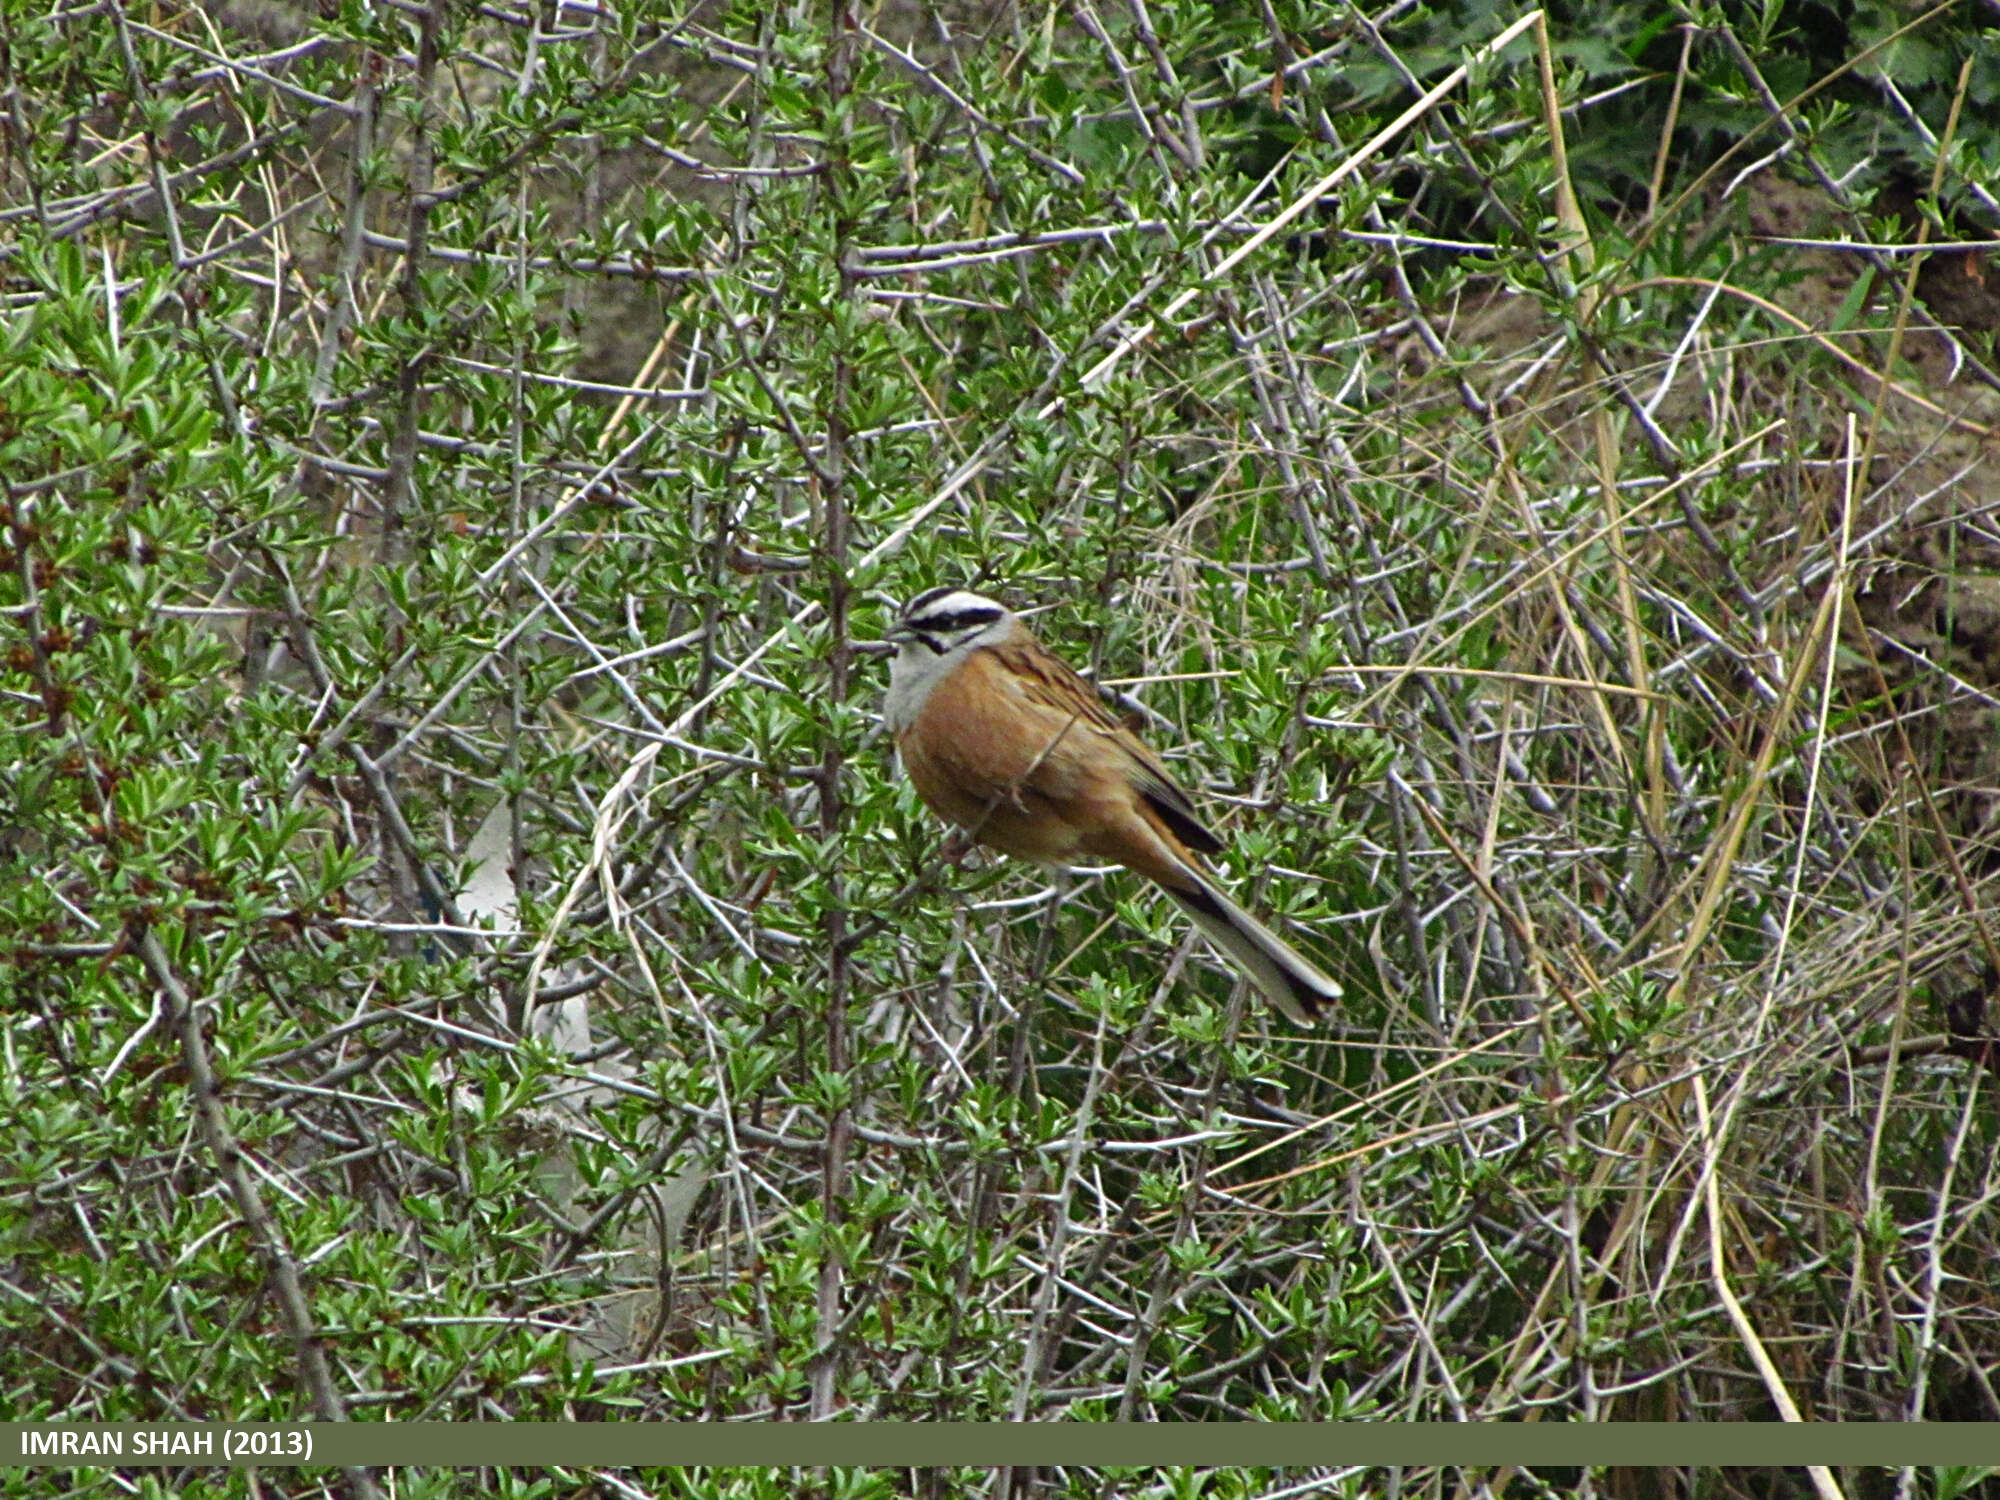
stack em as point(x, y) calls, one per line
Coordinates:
point(1289, 980)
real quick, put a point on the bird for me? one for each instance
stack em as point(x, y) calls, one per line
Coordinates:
point(1002, 738)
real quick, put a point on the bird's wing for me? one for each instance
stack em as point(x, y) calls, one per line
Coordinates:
point(1063, 705)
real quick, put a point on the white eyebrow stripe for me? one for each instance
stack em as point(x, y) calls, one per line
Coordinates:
point(951, 605)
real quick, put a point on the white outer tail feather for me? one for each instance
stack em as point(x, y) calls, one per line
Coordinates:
point(1286, 978)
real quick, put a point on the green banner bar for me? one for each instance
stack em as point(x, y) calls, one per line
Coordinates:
point(898, 1444)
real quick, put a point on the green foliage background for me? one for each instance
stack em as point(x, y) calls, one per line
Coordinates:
point(419, 419)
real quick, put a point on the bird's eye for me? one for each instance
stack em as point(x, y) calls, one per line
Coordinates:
point(957, 620)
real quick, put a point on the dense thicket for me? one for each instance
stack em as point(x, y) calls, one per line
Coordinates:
point(465, 950)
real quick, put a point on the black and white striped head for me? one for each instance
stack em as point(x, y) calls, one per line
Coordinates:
point(937, 631)
point(941, 620)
